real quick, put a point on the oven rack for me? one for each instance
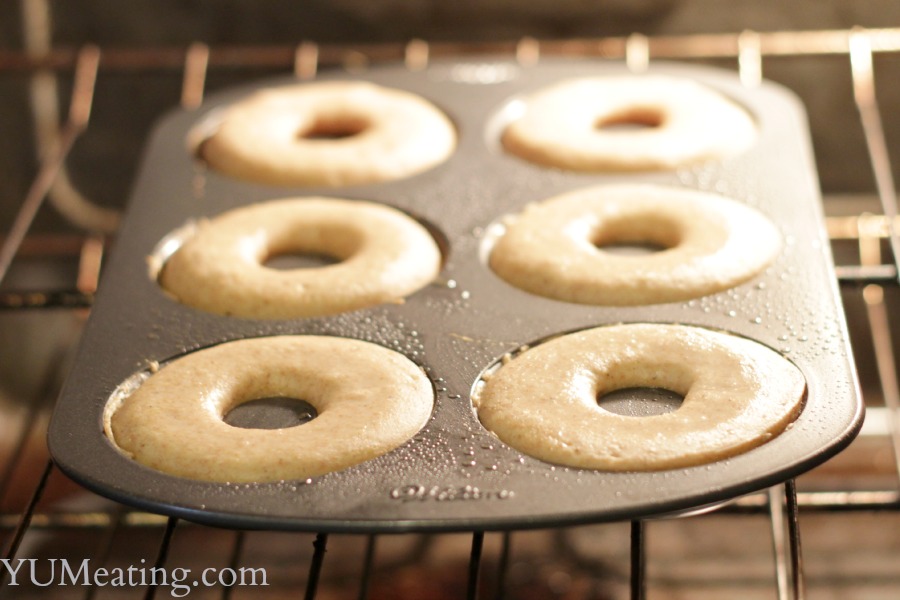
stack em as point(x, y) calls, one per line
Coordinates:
point(872, 277)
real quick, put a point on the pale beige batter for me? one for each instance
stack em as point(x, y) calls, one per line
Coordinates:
point(669, 122)
point(384, 255)
point(369, 399)
point(335, 133)
point(738, 394)
point(555, 248)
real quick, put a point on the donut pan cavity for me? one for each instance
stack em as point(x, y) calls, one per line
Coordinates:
point(454, 475)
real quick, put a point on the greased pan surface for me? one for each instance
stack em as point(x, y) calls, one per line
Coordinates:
point(454, 475)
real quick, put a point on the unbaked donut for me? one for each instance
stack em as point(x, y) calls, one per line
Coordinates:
point(330, 134)
point(555, 248)
point(628, 123)
point(385, 255)
point(369, 400)
point(737, 393)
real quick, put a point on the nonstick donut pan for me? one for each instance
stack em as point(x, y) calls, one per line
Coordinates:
point(455, 475)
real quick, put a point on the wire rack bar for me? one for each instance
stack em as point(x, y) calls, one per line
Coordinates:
point(24, 300)
point(234, 561)
point(754, 504)
point(857, 274)
point(162, 554)
point(877, 314)
point(718, 45)
point(320, 545)
point(79, 113)
point(24, 521)
point(105, 550)
point(863, 74)
point(475, 565)
point(503, 564)
point(638, 578)
point(798, 586)
point(870, 249)
point(368, 565)
point(776, 522)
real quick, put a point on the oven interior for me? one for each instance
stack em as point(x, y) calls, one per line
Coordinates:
point(831, 533)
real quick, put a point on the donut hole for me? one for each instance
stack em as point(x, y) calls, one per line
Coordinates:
point(630, 120)
point(640, 401)
point(288, 261)
point(276, 412)
point(327, 127)
point(290, 251)
point(636, 237)
point(632, 248)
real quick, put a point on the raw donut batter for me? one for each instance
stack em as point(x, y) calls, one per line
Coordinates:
point(737, 393)
point(628, 123)
point(369, 400)
point(329, 134)
point(555, 248)
point(385, 255)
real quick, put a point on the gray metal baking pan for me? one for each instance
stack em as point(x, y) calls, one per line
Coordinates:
point(454, 475)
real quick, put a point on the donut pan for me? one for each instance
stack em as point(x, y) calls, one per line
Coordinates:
point(454, 475)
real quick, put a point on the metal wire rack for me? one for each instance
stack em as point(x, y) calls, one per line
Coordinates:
point(490, 567)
